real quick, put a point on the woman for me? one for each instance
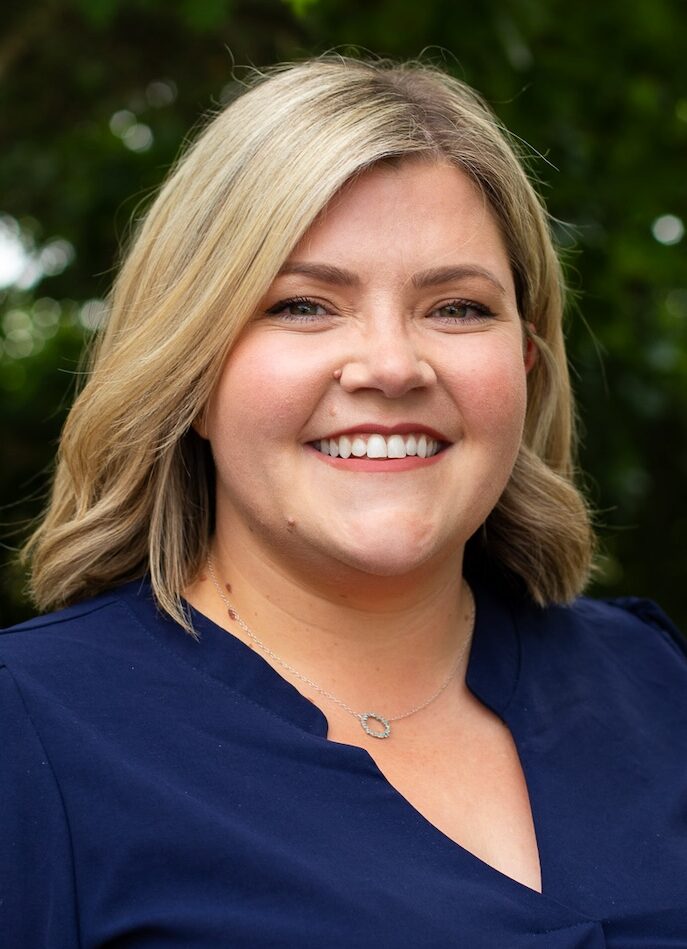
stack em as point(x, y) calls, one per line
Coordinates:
point(316, 678)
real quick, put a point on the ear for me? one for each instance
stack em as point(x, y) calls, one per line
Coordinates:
point(531, 352)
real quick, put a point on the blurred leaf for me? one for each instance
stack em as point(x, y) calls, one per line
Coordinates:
point(598, 89)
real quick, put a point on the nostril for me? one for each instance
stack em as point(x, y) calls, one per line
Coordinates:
point(392, 377)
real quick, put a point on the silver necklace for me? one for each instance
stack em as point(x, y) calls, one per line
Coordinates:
point(365, 718)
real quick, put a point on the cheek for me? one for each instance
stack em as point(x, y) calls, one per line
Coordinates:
point(266, 391)
point(493, 394)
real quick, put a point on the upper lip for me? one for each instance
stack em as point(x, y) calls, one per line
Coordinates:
point(376, 428)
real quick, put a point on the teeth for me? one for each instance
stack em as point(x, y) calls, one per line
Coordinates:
point(376, 447)
point(379, 446)
point(358, 447)
point(396, 447)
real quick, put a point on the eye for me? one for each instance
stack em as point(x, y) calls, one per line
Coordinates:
point(463, 311)
point(298, 309)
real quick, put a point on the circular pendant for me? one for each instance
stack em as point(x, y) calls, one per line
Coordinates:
point(365, 717)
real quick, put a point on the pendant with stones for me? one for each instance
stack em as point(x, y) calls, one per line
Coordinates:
point(366, 717)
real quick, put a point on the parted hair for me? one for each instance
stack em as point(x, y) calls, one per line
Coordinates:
point(133, 491)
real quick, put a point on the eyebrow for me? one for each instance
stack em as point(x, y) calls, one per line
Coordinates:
point(327, 273)
point(438, 275)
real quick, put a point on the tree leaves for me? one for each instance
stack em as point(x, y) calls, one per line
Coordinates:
point(599, 90)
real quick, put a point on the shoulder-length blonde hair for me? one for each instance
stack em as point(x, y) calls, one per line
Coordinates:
point(133, 489)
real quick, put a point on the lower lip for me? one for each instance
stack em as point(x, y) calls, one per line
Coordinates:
point(409, 463)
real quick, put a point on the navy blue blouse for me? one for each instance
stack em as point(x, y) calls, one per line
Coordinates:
point(162, 792)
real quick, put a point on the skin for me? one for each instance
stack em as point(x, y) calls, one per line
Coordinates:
point(352, 573)
point(380, 352)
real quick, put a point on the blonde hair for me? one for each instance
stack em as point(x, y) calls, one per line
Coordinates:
point(133, 489)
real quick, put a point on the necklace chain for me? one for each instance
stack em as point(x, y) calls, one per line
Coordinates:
point(363, 717)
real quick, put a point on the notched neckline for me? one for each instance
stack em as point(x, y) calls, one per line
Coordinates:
point(492, 675)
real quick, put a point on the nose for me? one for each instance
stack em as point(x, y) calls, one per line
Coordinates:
point(389, 362)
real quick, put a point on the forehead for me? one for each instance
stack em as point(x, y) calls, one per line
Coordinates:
point(407, 216)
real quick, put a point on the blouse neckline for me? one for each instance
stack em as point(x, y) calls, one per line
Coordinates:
point(492, 671)
point(493, 674)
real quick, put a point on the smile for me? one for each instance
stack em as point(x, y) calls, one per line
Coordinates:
point(378, 446)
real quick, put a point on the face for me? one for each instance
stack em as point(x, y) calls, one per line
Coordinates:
point(370, 414)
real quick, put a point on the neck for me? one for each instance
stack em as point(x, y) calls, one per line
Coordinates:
point(359, 636)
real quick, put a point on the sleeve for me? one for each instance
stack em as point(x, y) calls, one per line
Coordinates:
point(37, 893)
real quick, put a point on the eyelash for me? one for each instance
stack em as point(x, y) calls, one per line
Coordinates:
point(484, 312)
point(278, 309)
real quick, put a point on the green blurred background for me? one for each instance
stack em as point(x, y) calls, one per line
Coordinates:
point(97, 97)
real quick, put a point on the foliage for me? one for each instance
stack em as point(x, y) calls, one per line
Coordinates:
point(97, 98)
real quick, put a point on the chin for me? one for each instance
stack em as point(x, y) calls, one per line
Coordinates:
point(392, 555)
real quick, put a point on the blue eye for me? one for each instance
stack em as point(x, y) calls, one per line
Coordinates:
point(298, 309)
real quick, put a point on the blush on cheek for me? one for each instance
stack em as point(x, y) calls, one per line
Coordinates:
point(496, 401)
point(272, 381)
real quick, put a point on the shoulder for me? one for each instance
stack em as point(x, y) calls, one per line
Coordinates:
point(60, 620)
point(91, 612)
point(81, 672)
point(62, 640)
point(627, 613)
point(632, 624)
point(625, 650)
point(601, 623)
